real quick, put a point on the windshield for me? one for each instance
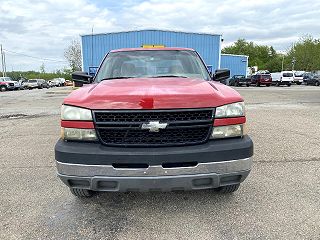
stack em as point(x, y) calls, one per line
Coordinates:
point(156, 63)
point(287, 74)
point(239, 76)
point(298, 74)
point(5, 79)
point(32, 81)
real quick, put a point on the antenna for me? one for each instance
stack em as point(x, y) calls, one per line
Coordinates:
point(2, 60)
point(92, 46)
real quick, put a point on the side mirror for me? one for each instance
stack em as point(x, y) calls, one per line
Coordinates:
point(221, 74)
point(81, 77)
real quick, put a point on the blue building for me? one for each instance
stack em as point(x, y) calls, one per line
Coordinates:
point(95, 46)
point(237, 64)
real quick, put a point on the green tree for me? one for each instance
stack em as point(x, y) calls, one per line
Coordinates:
point(263, 56)
point(73, 55)
point(306, 53)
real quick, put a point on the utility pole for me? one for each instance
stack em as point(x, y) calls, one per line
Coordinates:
point(5, 64)
point(293, 62)
point(282, 62)
point(2, 60)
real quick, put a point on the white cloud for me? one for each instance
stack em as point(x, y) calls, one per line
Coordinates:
point(45, 28)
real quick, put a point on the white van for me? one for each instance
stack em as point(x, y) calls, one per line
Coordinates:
point(282, 78)
point(298, 77)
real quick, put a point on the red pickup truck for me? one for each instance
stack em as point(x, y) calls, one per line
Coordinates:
point(153, 120)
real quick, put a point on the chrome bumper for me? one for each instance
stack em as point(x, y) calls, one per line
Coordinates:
point(223, 167)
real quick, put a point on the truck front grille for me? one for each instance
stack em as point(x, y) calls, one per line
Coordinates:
point(184, 127)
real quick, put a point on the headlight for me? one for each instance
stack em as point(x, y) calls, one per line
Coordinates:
point(75, 113)
point(228, 131)
point(77, 134)
point(230, 110)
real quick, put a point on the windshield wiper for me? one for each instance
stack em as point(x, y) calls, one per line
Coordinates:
point(110, 78)
point(163, 76)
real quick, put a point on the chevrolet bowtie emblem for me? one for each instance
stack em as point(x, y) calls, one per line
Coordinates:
point(154, 126)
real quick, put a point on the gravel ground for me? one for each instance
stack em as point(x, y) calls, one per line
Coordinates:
point(279, 200)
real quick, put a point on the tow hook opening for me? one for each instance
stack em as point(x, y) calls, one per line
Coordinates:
point(130, 165)
point(179, 164)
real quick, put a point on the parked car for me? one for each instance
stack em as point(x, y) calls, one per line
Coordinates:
point(307, 76)
point(43, 83)
point(298, 77)
point(68, 83)
point(33, 83)
point(312, 79)
point(239, 80)
point(51, 84)
point(261, 79)
point(167, 126)
point(22, 82)
point(6, 83)
point(282, 78)
point(58, 82)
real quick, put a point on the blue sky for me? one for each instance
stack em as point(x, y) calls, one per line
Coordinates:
point(43, 29)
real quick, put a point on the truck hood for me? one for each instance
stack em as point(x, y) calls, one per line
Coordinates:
point(9, 81)
point(153, 93)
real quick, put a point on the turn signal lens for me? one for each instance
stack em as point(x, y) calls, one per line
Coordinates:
point(77, 134)
point(228, 131)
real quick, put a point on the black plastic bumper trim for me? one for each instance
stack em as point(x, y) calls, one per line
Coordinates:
point(97, 154)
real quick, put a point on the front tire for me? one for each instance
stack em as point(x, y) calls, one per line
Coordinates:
point(81, 193)
point(227, 189)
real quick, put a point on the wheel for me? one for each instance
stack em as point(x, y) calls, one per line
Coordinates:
point(298, 83)
point(257, 84)
point(268, 85)
point(228, 188)
point(248, 85)
point(83, 193)
point(278, 84)
point(236, 84)
point(3, 88)
point(289, 84)
point(317, 83)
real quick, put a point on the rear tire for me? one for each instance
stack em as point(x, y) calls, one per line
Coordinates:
point(268, 85)
point(298, 83)
point(3, 89)
point(317, 83)
point(227, 189)
point(82, 193)
point(257, 84)
point(248, 85)
point(289, 84)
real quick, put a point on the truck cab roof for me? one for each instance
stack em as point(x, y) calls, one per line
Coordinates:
point(152, 49)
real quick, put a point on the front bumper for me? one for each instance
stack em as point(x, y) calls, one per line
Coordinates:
point(214, 164)
point(9, 87)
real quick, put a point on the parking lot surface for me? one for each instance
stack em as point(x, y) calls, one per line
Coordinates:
point(279, 200)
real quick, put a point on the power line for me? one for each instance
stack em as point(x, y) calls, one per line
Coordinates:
point(40, 58)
